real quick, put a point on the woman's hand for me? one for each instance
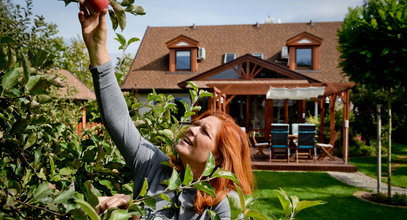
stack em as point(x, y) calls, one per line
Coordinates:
point(118, 200)
point(94, 32)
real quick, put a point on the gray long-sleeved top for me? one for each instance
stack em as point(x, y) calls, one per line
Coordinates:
point(143, 158)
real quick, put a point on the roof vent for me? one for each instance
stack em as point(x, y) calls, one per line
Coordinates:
point(201, 53)
point(269, 20)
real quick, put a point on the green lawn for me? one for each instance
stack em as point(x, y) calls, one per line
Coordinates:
point(341, 204)
point(368, 166)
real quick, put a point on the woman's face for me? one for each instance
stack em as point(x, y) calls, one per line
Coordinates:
point(199, 141)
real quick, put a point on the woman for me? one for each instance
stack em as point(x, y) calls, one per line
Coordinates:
point(212, 132)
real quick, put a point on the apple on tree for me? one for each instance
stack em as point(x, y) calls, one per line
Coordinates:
point(96, 6)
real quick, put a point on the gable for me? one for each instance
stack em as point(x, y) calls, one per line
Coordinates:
point(182, 41)
point(304, 38)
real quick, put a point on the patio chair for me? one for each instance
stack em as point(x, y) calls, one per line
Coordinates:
point(327, 149)
point(260, 146)
point(279, 140)
point(306, 141)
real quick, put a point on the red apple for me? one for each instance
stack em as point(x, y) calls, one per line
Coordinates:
point(96, 6)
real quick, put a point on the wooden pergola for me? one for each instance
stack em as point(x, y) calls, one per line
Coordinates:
point(223, 93)
point(249, 76)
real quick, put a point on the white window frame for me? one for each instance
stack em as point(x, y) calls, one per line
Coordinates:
point(226, 55)
point(257, 55)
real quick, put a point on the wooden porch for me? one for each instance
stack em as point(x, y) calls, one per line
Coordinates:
point(260, 162)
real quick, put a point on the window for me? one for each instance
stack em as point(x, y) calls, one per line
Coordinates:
point(259, 55)
point(303, 57)
point(229, 57)
point(304, 52)
point(183, 59)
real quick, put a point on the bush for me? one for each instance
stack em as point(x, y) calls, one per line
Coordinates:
point(396, 199)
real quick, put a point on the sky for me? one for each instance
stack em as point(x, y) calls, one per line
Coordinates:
point(188, 12)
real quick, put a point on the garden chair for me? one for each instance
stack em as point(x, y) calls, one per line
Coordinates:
point(259, 146)
point(327, 149)
point(306, 141)
point(279, 140)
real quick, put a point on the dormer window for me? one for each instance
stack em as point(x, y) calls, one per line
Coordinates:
point(183, 60)
point(303, 58)
point(183, 54)
point(229, 57)
point(304, 52)
point(259, 55)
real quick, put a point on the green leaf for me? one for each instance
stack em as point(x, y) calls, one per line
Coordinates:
point(143, 190)
point(241, 198)
point(42, 191)
point(225, 174)
point(209, 166)
point(151, 202)
point(121, 39)
point(32, 81)
point(132, 40)
point(127, 2)
point(188, 176)
point(294, 201)
point(284, 201)
point(213, 215)
point(135, 10)
point(174, 181)
point(27, 176)
point(66, 171)
point(88, 209)
point(120, 214)
point(113, 19)
point(204, 93)
point(235, 205)
point(167, 132)
point(205, 187)
point(89, 194)
point(256, 215)
point(307, 204)
point(30, 140)
point(65, 195)
point(164, 197)
point(120, 15)
point(42, 98)
point(26, 67)
point(107, 183)
point(10, 79)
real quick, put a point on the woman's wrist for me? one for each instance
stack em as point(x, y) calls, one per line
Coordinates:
point(98, 57)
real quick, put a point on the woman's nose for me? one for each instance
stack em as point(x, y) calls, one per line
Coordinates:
point(193, 130)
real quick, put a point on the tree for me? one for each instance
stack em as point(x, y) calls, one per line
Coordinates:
point(373, 46)
point(75, 59)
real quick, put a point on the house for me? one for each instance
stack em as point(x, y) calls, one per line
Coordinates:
point(241, 65)
point(74, 89)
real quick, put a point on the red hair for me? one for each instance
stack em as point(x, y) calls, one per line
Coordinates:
point(233, 155)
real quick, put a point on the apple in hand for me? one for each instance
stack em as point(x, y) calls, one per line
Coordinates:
point(96, 6)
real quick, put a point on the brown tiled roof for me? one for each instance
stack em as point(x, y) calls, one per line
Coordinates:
point(73, 87)
point(150, 67)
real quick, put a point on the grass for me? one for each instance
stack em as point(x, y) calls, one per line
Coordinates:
point(341, 204)
point(368, 166)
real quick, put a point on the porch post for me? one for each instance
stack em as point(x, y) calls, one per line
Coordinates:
point(268, 118)
point(345, 136)
point(332, 100)
point(83, 118)
point(322, 119)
